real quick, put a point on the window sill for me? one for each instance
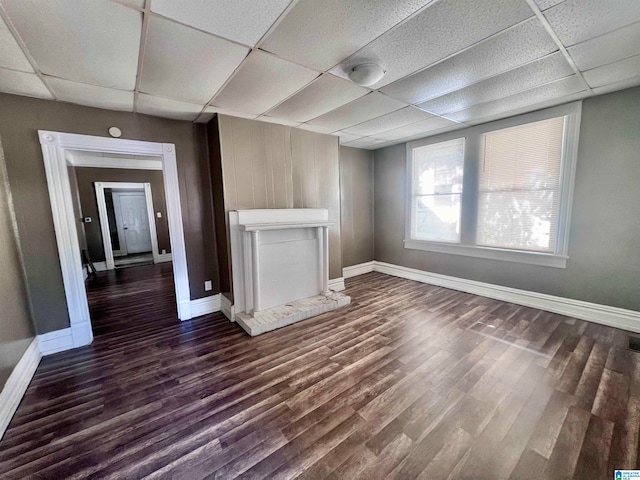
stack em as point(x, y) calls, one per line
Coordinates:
point(518, 256)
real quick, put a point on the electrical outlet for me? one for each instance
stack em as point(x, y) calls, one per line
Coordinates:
point(164, 252)
point(159, 214)
point(207, 285)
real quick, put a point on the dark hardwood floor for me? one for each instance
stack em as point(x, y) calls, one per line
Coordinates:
point(409, 381)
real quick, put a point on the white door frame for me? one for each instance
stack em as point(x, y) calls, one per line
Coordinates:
point(104, 221)
point(55, 146)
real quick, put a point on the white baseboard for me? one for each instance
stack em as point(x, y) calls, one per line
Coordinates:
point(162, 257)
point(592, 312)
point(17, 383)
point(56, 341)
point(355, 270)
point(100, 266)
point(203, 306)
point(336, 284)
point(227, 309)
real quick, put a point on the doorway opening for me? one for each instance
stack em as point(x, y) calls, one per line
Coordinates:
point(61, 152)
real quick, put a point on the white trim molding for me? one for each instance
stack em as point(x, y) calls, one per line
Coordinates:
point(162, 257)
point(100, 266)
point(206, 305)
point(56, 341)
point(336, 284)
point(592, 312)
point(55, 147)
point(359, 269)
point(17, 384)
point(227, 308)
point(126, 163)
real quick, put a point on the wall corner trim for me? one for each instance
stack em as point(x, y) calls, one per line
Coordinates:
point(163, 257)
point(17, 384)
point(336, 284)
point(227, 308)
point(56, 341)
point(591, 312)
point(355, 270)
point(203, 306)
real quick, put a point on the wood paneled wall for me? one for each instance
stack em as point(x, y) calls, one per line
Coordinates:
point(265, 165)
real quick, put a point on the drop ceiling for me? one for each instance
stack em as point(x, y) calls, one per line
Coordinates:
point(449, 63)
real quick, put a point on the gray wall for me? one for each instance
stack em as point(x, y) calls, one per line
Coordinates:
point(86, 176)
point(356, 206)
point(16, 329)
point(20, 120)
point(264, 165)
point(604, 248)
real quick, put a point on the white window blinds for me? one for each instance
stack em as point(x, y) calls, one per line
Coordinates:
point(437, 190)
point(519, 187)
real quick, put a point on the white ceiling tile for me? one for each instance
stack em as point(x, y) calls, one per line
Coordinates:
point(19, 83)
point(389, 121)
point(423, 127)
point(164, 107)
point(363, 142)
point(324, 94)
point(262, 82)
point(11, 55)
point(516, 46)
point(548, 69)
point(226, 111)
point(347, 137)
point(91, 42)
point(132, 3)
point(365, 108)
point(279, 121)
point(440, 30)
point(544, 4)
point(614, 72)
point(244, 21)
point(186, 64)
point(90, 95)
point(607, 48)
point(321, 34)
point(614, 87)
point(315, 128)
point(524, 100)
point(575, 21)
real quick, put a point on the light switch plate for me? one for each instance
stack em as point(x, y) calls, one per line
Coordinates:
point(159, 214)
point(207, 285)
point(86, 219)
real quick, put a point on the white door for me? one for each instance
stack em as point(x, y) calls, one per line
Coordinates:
point(135, 221)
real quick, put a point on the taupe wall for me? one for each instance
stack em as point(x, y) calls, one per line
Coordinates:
point(86, 176)
point(16, 329)
point(604, 263)
point(356, 211)
point(265, 165)
point(20, 121)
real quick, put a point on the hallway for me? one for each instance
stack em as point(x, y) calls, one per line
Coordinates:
point(132, 301)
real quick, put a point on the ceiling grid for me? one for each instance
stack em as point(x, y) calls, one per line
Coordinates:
point(449, 63)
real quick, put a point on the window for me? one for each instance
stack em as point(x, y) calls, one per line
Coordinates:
point(519, 193)
point(518, 188)
point(437, 191)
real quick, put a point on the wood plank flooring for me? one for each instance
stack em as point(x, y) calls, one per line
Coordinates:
point(409, 381)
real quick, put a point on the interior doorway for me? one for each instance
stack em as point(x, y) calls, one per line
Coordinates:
point(128, 223)
point(58, 150)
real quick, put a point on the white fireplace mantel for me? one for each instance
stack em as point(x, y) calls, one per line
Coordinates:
point(280, 266)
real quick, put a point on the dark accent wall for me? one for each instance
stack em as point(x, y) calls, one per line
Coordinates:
point(20, 120)
point(265, 165)
point(16, 329)
point(604, 260)
point(86, 176)
point(356, 206)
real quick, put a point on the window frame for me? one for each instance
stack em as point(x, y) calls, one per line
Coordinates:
point(474, 147)
point(413, 194)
